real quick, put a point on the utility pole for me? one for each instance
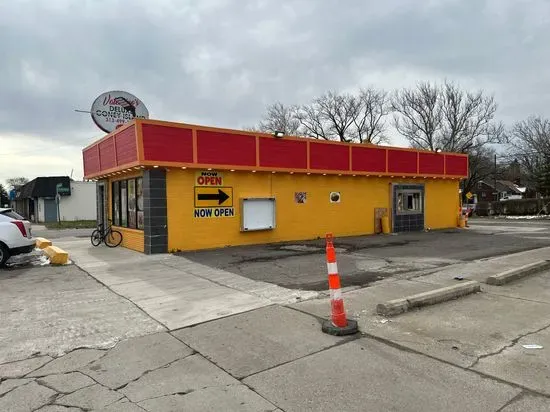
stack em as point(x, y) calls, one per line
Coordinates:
point(495, 178)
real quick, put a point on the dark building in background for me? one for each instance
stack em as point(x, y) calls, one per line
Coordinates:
point(44, 188)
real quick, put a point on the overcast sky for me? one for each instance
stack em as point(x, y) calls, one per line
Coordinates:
point(219, 62)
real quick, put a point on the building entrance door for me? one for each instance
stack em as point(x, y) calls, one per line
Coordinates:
point(50, 210)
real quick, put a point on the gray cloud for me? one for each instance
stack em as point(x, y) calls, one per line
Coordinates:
point(220, 62)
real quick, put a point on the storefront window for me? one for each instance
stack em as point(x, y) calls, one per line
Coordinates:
point(132, 203)
point(139, 195)
point(127, 207)
point(116, 203)
point(409, 202)
point(123, 204)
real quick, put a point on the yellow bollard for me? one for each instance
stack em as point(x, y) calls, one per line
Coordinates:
point(57, 256)
point(42, 243)
point(385, 224)
point(461, 222)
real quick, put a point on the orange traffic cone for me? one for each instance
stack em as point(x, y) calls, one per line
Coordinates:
point(338, 324)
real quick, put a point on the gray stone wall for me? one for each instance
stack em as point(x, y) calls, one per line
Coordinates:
point(154, 211)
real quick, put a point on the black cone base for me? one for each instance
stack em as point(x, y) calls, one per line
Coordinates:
point(350, 329)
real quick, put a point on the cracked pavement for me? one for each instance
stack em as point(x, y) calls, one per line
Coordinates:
point(270, 359)
point(152, 373)
point(112, 356)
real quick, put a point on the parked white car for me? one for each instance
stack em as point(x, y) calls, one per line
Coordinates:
point(15, 235)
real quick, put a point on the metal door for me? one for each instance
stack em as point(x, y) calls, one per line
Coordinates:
point(50, 210)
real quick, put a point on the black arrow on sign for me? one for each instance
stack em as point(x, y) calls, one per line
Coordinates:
point(221, 196)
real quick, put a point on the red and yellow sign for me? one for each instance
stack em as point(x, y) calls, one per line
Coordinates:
point(208, 178)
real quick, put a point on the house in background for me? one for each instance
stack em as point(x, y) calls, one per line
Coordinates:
point(38, 200)
point(505, 190)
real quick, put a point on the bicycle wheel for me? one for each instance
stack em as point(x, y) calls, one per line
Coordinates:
point(96, 238)
point(113, 238)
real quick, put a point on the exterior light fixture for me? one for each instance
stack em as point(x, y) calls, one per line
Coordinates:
point(273, 172)
point(137, 168)
point(232, 170)
point(437, 150)
point(183, 167)
point(209, 168)
point(354, 175)
point(308, 173)
point(278, 134)
point(324, 174)
point(155, 166)
point(291, 173)
point(253, 171)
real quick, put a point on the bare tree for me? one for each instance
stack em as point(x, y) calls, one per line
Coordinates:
point(482, 167)
point(446, 117)
point(333, 116)
point(4, 198)
point(16, 181)
point(312, 122)
point(530, 144)
point(282, 118)
point(370, 122)
point(418, 114)
point(467, 120)
point(339, 111)
point(530, 139)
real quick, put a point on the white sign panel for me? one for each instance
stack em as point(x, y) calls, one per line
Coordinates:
point(112, 109)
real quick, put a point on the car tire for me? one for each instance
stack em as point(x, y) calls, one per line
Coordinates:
point(4, 255)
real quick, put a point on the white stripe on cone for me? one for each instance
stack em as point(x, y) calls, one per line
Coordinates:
point(335, 294)
point(332, 268)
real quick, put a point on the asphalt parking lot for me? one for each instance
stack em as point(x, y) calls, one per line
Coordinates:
point(363, 260)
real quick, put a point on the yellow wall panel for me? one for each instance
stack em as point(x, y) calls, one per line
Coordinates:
point(442, 203)
point(132, 239)
point(354, 215)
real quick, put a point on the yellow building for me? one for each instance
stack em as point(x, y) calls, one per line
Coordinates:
point(170, 186)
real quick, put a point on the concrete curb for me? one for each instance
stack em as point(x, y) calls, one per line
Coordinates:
point(397, 306)
point(42, 243)
point(517, 273)
point(56, 255)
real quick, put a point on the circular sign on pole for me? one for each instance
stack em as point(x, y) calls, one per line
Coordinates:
point(112, 109)
point(469, 195)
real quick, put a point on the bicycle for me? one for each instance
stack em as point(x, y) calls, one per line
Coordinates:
point(111, 237)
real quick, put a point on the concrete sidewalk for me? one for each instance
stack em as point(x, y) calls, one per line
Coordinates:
point(47, 311)
point(175, 291)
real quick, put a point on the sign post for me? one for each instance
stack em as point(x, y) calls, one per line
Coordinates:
point(58, 187)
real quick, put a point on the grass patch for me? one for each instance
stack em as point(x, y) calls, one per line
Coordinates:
point(77, 224)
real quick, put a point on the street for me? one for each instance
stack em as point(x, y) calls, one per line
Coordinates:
point(239, 329)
